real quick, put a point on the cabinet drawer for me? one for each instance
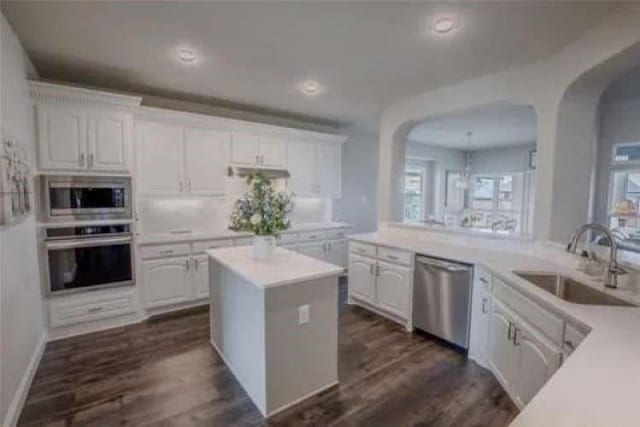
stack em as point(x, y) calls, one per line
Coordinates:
point(547, 322)
point(243, 241)
point(199, 247)
point(339, 233)
point(287, 238)
point(313, 235)
point(483, 277)
point(394, 255)
point(362, 249)
point(88, 309)
point(160, 251)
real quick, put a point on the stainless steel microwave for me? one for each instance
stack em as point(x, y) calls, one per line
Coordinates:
point(85, 198)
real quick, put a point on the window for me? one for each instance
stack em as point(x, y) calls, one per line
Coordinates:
point(414, 194)
point(627, 153)
point(625, 186)
point(454, 195)
point(497, 199)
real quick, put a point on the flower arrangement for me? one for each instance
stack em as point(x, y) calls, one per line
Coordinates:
point(262, 210)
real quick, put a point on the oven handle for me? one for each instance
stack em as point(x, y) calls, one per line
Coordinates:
point(87, 243)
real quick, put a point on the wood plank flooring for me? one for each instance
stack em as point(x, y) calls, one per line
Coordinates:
point(163, 372)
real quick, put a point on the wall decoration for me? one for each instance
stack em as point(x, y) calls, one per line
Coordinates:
point(16, 181)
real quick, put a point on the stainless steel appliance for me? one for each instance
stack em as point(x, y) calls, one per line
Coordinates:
point(85, 198)
point(442, 299)
point(87, 257)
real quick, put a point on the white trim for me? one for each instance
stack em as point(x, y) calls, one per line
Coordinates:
point(43, 91)
point(20, 396)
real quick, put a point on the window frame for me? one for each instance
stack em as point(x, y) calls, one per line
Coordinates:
point(422, 172)
point(629, 163)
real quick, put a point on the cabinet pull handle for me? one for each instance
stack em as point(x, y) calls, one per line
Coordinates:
point(509, 331)
point(257, 159)
point(377, 270)
point(329, 246)
point(181, 186)
point(483, 280)
point(189, 186)
point(90, 162)
point(81, 159)
point(569, 344)
point(392, 257)
point(195, 265)
point(95, 309)
point(515, 336)
point(484, 305)
point(187, 264)
point(372, 268)
point(167, 251)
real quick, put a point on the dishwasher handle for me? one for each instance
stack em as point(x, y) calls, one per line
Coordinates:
point(444, 265)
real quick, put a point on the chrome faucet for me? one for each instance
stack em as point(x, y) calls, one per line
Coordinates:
point(613, 269)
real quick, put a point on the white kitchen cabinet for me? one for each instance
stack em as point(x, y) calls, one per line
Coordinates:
point(61, 138)
point(249, 149)
point(160, 158)
point(328, 169)
point(392, 288)
point(362, 278)
point(480, 317)
point(201, 275)
point(503, 359)
point(166, 281)
point(315, 169)
point(314, 250)
point(205, 161)
point(108, 141)
point(337, 253)
point(83, 140)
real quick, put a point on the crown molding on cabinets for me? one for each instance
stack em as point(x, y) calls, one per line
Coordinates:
point(51, 92)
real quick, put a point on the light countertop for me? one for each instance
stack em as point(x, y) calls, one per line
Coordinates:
point(599, 384)
point(284, 267)
point(188, 236)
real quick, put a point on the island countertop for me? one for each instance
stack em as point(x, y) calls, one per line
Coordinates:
point(283, 267)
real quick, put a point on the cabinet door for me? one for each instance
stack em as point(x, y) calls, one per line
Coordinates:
point(337, 252)
point(313, 250)
point(362, 279)
point(502, 354)
point(108, 139)
point(302, 168)
point(166, 281)
point(328, 169)
point(201, 275)
point(62, 138)
point(159, 159)
point(479, 335)
point(537, 361)
point(273, 152)
point(206, 160)
point(245, 149)
point(392, 288)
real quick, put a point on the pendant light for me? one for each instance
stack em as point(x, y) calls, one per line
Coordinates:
point(465, 179)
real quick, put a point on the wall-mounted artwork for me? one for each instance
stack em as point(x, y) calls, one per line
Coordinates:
point(16, 182)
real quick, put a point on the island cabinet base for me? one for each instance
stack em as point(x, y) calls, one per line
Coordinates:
point(279, 357)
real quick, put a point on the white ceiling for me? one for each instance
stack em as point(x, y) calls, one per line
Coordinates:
point(490, 127)
point(368, 55)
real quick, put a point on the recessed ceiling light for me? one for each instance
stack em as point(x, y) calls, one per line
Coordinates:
point(443, 25)
point(311, 88)
point(187, 55)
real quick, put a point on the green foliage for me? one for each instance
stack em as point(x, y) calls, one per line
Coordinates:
point(262, 210)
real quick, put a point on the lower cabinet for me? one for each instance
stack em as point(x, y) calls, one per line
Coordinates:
point(201, 275)
point(521, 358)
point(392, 288)
point(362, 279)
point(313, 250)
point(334, 251)
point(166, 281)
point(480, 316)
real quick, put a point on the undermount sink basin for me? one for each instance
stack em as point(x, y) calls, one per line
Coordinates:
point(570, 290)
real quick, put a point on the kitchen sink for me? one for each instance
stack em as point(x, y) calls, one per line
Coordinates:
point(570, 290)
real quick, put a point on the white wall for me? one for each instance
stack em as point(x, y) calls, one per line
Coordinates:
point(504, 159)
point(358, 205)
point(22, 324)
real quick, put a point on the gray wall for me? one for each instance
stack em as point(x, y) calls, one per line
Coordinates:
point(358, 205)
point(22, 326)
point(504, 159)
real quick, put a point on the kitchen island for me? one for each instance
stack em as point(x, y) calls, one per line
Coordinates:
point(275, 323)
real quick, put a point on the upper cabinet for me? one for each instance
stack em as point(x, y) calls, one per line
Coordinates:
point(82, 130)
point(173, 160)
point(250, 149)
point(315, 168)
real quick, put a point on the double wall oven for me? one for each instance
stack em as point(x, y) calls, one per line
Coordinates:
point(87, 240)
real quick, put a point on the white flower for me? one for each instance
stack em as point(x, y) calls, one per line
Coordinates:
point(255, 219)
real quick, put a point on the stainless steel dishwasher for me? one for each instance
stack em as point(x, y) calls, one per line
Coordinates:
point(442, 299)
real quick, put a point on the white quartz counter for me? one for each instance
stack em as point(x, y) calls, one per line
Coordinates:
point(188, 236)
point(282, 268)
point(599, 383)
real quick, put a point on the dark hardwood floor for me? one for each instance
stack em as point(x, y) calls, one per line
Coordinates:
point(164, 372)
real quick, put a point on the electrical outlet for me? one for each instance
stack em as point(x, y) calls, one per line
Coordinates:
point(304, 314)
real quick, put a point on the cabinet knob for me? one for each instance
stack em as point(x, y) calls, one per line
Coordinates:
point(81, 159)
point(484, 305)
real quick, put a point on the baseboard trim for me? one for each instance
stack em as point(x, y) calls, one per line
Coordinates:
point(302, 399)
point(20, 396)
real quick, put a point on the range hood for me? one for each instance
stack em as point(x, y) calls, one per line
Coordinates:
point(245, 171)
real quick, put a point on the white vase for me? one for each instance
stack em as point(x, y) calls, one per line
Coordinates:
point(263, 246)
